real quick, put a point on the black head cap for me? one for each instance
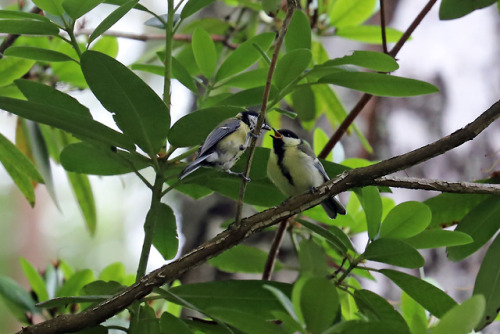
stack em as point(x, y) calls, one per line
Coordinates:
point(288, 133)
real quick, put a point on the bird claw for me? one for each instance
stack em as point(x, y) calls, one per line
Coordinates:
point(242, 175)
point(251, 134)
point(313, 190)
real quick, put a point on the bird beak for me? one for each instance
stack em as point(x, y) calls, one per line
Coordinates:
point(276, 135)
point(266, 126)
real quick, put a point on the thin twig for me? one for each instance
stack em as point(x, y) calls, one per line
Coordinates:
point(366, 97)
point(275, 248)
point(263, 108)
point(251, 225)
point(382, 26)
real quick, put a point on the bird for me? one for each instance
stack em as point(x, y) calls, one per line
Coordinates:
point(225, 144)
point(294, 169)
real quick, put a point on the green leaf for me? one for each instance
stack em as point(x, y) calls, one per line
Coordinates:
point(204, 52)
point(39, 54)
point(15, 14)
point(488, 283)
point(35, 280)
point(248, 79)
point(231, 260)
point(28, 27)
point(406, 220)
point(111, 19)
point(85, 198)
point(165, 238)
point(78, 8)
point(245, 55)
point(180, 73)
point(23, 183)
point(247, 98)
point(463, 318)
point(10, 154)
point(203, 121)
point(75, 283)
point(87, 158)
point(270, 6)
point(312, 260)
point(101, 288)
point(13, 68)
point(64, 301)
point(376, 61)
point(377, 308)
point(243, 295)
point(284, 300)
point(369, 34)
point(61, 118)
point(395, 252)
point(320, 138)
point(414, 314)
point(379, 84)
point(481, 223)
point(246, 322)
point(137, 110)
point(438, 238)
point(193, 6)
point(336, 237)
point(113, 272)
point(52, 6)
point(172, 324)
point(453, 9)
point(372, 327)
point(290, 66)
point(430, 297)
point(319, 303)
point(16, 298)
point(147, 322)
point(304, 103)
point(298, 35)
point(107, 45)
point(348, 13)
point(371, 202)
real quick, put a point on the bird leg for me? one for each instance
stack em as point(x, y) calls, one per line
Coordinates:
point(242, 175)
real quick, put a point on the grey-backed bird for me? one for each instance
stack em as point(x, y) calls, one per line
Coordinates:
point(294, 169)
point(225, 144)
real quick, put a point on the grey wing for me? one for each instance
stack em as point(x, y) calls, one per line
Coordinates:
point(321, 169)
point(222, 130)
point(304, 147)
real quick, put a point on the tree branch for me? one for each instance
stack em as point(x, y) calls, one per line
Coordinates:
point(438, 185)
point(353, 178)
point(366, 97)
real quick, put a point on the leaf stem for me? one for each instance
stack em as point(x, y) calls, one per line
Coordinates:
point(168, 53)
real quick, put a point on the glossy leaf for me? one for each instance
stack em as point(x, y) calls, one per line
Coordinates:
point(380, 84)
point(172, 324)
point(320, 138)
point(180, 73)
point(39, 54)
point(193, 6)
point(99, 160)
point(64, 301)
point(113, 272)
point(348, 13)
point(147, 322)
point(298, 35)
point(414, 314)
point(453, 9)
point(61, 118)
point(204, 52)
point(488, 283)
point(248, 79)
point(395, 252)
point(78, 8)
point(15, 14)
point(245, 296)
point(376, 308)
point(10, 154)
point(23, 183)
point(247, 98)
point(13, 68)
point(312, 260)
point(369, 34)
point(270, 6)
point(246, 322)
point(75, 283)
point(430, 297)
point(85, 198)
point(481, 223)
point(28, 27)
point(245, 55)
point(203, 120)
point(372, 327)
point(304, 103)
point(438, 238)
point(165, 238)
point(16, 298)
point(52, 6)
point(371, 202)
point(111, 19)
point(463, 318)
point(337, 239)
point(406, 220)
point(137, 110)
point(375, 61)
point(101, 288)
point(254, 260)
point(290, 66)
point(35, 280)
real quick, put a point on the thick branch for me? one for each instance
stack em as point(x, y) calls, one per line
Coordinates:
point(438, 185)
point(354, 178)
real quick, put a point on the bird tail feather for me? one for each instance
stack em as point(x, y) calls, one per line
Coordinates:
point(333, 207)
point(191, 167)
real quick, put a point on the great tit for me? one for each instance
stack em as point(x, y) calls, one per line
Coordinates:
point(294, 169)
point(225, 144)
